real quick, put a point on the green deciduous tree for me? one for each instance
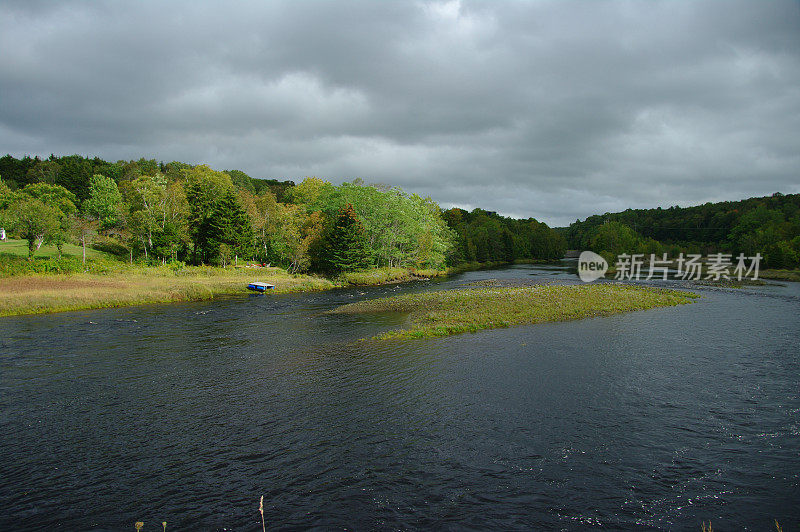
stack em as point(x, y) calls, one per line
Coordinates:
point(5, 195)
point(241, 180)
point(309, 192)
point(34, 221)
point(59, 201)
point(84, 227)
point(157, 215)
point(400, 229)
point(615, 238)
point(104, 201)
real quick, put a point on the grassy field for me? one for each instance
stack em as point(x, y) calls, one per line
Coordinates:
point(468, 310)
point(20, 248)
point(34, 294)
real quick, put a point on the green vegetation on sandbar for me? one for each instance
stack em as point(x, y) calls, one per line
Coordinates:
point(449, 312)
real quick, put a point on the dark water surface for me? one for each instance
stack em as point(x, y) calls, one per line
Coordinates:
point(188, 413)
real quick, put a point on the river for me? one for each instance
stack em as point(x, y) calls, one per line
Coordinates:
point(188, 413)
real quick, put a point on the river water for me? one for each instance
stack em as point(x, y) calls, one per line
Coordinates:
point(188, 413)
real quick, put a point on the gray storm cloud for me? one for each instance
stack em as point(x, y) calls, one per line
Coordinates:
point(556, 110)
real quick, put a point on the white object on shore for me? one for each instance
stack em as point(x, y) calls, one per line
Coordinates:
point(258, 286)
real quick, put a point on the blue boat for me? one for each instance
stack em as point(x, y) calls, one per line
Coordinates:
point(260, 287)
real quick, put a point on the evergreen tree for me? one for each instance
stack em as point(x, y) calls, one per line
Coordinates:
point(344, 245)
point(226, 228)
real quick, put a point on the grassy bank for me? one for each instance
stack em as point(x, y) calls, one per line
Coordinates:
point(473, 266)
point(47, 284)
point(449, 312)
point(780, 275)
point(377, 276)
point(51, 285)
point(132, 285)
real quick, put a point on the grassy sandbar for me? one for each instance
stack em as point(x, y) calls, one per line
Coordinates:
point(449, 312)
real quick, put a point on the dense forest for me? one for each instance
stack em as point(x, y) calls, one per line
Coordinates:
point(160, 212)
point(768, 225)
point(485, 236)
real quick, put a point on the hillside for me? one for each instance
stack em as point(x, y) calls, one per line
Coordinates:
point(768, 225)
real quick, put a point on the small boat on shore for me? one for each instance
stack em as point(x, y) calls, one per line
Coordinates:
point(259, 286)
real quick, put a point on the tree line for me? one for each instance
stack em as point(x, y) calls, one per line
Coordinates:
point(485, 236)
point(767, 225)
point(165, 212)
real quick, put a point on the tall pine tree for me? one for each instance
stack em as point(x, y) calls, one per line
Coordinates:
point(226, 228)
point(344, 244)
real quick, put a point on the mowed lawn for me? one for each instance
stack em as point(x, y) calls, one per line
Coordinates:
point(20, 248)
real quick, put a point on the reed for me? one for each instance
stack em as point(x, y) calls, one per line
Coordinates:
point(261, 510)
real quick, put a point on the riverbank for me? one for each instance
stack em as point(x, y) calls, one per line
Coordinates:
point(52, 285)
point(37, 294)
point(780, 275)
point(126, 285)
point(443, 313)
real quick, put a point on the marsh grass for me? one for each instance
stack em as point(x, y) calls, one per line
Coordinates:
point(447, 312)
point(36, 294)
point(387, 275)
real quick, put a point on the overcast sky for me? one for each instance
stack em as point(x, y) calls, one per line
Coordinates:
point(551, 109)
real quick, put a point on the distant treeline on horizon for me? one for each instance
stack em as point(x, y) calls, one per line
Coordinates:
point(767, 225)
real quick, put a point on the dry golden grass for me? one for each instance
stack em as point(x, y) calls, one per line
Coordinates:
point(54, 293)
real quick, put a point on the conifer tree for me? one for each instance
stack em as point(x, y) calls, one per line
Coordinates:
point(344, 245)
point(228, 225)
